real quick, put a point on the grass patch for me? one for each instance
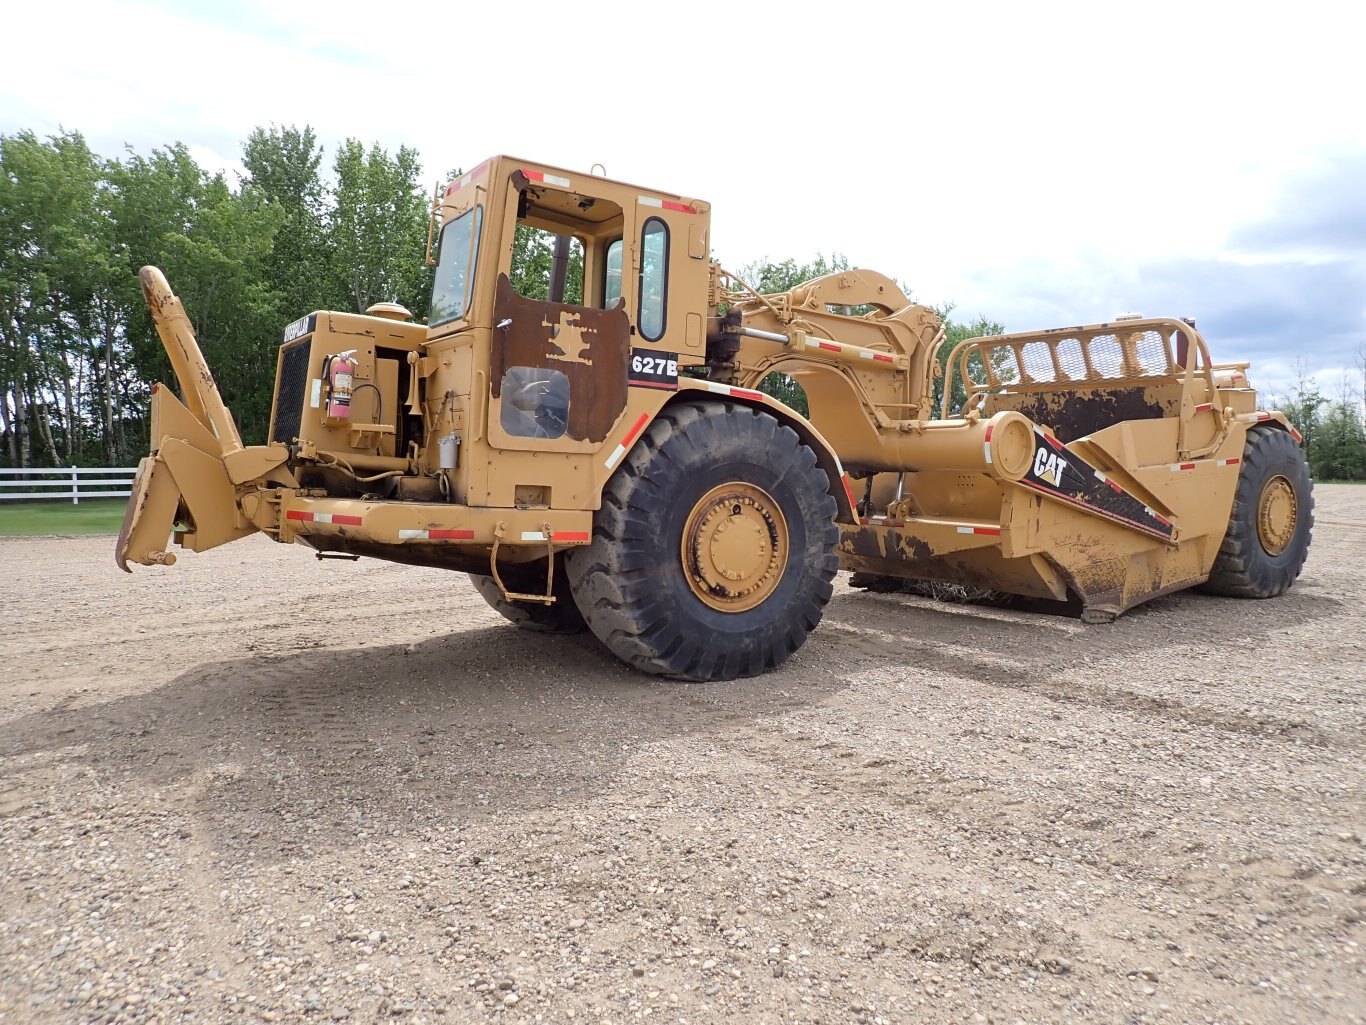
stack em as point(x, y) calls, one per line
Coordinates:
point(92, 516)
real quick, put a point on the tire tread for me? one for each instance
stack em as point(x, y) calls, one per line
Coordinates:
point(614, 584)
point(1242, 568)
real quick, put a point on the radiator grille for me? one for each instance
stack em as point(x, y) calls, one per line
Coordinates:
point(289, 399)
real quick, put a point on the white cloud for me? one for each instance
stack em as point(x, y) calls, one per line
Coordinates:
point(968, 149)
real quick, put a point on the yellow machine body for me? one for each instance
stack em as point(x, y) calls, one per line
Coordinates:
point(1097, 463)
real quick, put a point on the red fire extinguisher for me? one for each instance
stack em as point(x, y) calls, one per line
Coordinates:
point(340, 372)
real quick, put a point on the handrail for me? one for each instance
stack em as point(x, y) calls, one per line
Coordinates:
point(1086, 366)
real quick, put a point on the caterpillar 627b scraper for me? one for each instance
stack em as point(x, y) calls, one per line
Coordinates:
point(594, 449)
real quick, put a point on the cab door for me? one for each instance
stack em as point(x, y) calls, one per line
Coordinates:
point(560, 348)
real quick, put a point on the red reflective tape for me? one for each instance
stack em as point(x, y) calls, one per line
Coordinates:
point(1296, 435)
point(635, 431)
point(882, 357)
point(346, 521)
point(1117, 489)
point(849, 492)
point(988, 437)
point(864, 522)
point(298, 514)
point(569, 535)
point(1188, 466)
point(1234, 461)
point(1263, 416)
point(893, 523)
point(1053, 441)
point(450, 535)
point(681, 208)
point(830, 346)
point(536, 176)
point(993, 531)
point(746, 394)
point(1204, 407)
point(154, 388)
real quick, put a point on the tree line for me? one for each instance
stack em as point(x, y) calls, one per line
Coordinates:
point(1334, 428)
point(78, 353)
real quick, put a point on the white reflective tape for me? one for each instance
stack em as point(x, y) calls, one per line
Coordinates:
point(412, 535)
point(533, 535)
point(965, 530)
point(647, 201)
point(811, 343)
point(986, 451)
point(615, 457)
point(720, 389)
point(865, 355)
point(322, 517)
point(1101, 477)
point(555, 179)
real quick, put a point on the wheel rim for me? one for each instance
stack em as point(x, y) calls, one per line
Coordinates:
point(735, 547)
point(1276, 515)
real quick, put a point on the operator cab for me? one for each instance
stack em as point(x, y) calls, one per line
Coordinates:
point(573, 277)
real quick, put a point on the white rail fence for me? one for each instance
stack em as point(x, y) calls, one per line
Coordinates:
point(66, 482)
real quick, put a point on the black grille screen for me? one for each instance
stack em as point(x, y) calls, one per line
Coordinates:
point(289, 400)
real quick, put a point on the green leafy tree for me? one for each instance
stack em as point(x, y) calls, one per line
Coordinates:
point(377, 229)
point(283, 170)
point(214, 246)
point(1338, 449)
point(50, 231)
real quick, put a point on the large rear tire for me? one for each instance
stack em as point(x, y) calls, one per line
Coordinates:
point(1272, 519)
point(563, 617)
point(713, 554)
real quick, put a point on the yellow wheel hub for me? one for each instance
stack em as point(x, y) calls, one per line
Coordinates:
point(735, 547)
point(1276, 515)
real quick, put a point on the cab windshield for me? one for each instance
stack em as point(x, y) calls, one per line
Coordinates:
point(455, 267)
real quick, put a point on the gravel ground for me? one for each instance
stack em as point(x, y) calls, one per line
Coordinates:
point(258, 787)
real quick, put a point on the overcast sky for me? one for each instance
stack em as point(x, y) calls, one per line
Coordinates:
point(1040, 163)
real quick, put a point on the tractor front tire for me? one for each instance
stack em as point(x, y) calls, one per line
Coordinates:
point(563, 617)
point(713, 554)
point(1273, 515)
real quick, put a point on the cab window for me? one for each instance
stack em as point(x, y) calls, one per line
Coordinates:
point(654, 278)
point(611, 284)
point(455, 261)
point(547, 266)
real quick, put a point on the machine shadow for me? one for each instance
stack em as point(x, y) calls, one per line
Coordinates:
point(294, 753)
